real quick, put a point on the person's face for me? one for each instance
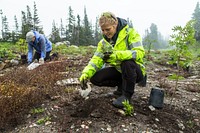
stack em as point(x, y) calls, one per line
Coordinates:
point(108, 30)
point(33, 39)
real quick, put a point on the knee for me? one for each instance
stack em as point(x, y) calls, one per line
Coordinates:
point(96, 82)
point(128, 63)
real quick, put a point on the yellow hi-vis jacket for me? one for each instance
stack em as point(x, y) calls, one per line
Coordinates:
point(128, 46)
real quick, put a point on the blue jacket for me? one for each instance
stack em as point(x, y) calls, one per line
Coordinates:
point(41, 45)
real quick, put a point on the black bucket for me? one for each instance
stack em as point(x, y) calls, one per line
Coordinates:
point(24, 59)
point(156, 98)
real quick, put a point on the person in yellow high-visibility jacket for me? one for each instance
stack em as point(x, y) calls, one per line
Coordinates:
point(122, 50)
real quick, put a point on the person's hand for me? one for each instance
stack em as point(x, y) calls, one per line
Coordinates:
point(106, 56)
point(112, 58)
point(83, 80)
point(41, 61)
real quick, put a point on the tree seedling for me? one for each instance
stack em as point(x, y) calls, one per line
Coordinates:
point(174, 77)
point(43, 120)
point(37, 110)
point(128, 108)
point(181, 39)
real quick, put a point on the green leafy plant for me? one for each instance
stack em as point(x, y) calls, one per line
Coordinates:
point(6, 53)
point(149, 46)
point(73, 50)
point(181, 39)
point(174, 77)
point(37, 110)
point(128, 108)
point(190, 123)
point(43, 120)
point(21, 43)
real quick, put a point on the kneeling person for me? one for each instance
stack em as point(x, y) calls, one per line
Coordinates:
point(41, 44)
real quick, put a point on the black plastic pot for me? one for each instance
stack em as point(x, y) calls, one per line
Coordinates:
point(156, 98)
point(24, 58)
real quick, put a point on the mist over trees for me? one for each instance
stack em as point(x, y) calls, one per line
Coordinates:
point(153, 39)
point(196, 16)
point(79, 31)
point(76, 30)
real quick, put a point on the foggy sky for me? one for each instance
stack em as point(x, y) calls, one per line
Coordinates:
point(164, 13)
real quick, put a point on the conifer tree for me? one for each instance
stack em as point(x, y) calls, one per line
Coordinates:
point(196, 17)
point(87, 28)
point(6, 30)
point(29, 18)
point(70, 25)
point(55, 36)
point(62, 30)
point(2, 32)
point(97, 32)
point(36, 20)
point(24, 27)
point(16, 24)
point(15, 32)
point(77, 31)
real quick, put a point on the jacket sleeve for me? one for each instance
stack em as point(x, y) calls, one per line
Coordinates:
point(95, 63)
point(43, 47)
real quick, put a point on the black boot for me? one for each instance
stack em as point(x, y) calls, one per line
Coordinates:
point(143, 83)
point(127, 92)
point(118, 103)
point(118, 92)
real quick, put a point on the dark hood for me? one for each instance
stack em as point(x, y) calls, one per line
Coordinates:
point(121, 24)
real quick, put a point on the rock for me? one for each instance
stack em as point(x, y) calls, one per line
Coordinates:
point(194, 99)
point(33, 125)
point(195, 69)
point(102, 129)
point(123, 126)
point(47, 123)
point(125, 130)
point(2, 65)
point(14, 62)
point(72, 126)
point(84, 126)
point(121, 112)
point(152, 108)
point(181, 126)
point(70, 81)
point(109, 129)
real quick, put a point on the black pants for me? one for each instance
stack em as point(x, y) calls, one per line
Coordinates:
point(109, 76)
point(38, 55)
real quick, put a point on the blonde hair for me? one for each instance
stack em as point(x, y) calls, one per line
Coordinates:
point(108, 18)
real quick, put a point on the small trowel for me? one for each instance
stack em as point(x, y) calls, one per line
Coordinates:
point(85, 91)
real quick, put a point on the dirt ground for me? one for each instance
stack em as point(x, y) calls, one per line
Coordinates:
point(68, 112)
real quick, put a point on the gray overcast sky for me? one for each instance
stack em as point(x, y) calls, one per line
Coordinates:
point(164, 13)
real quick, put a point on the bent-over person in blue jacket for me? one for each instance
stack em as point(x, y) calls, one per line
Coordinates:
point(41, 44)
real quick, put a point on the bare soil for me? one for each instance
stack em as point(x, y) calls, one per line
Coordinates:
point(68, 112)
